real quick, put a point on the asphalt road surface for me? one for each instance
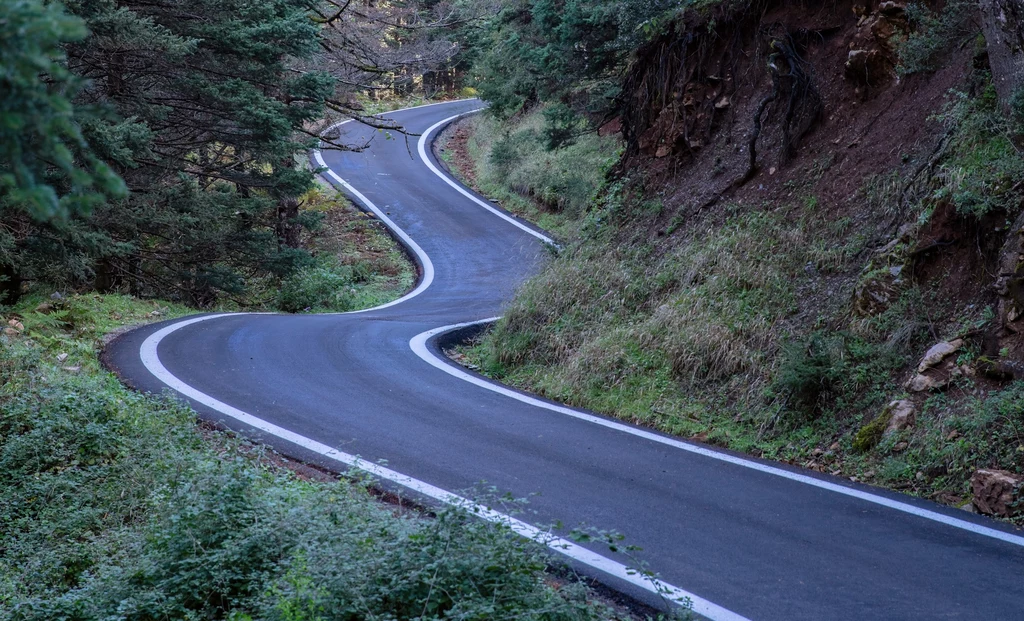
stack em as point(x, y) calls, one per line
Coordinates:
point(742, 537)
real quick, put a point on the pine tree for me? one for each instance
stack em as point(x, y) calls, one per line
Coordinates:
point(200, 116)
point(47, 170)
point(204, 108)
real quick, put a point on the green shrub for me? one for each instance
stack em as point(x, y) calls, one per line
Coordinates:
point(323, 287)
point(809, 370)
point(981, 172)
point(561, 126)
point(114, 506)
point(831, 371)
point(1017, 112)
point(508, 151)
point(934, 33)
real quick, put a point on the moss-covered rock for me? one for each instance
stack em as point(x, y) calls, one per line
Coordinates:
point(870, 434)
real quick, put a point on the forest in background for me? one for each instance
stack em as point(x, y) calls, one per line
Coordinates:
point(160, 149)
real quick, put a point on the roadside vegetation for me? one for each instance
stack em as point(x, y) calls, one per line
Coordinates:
point(380, 103)
point(354, 262)
point(115, 505)
point(781, 316)
point(151, 165)
point(818, 265)
point(158, 150)
point(550, 186)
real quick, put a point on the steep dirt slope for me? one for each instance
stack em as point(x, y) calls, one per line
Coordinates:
point(796, 226)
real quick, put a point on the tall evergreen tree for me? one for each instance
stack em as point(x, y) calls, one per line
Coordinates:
point(568, 50)
point(208, 143)
point(201, 118)
point(47, 170)
point(204, 108)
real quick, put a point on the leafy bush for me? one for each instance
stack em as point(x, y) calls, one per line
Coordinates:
point(934, 33)
point(831, 370)
point(561, 126)
point(323, 287)
point(982, 170)
point(1017, 112)
point(548, 50)
point(509, 151)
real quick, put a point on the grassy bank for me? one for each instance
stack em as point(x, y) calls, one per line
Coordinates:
point(509, 162)
point(353, 263)
point(115, 505)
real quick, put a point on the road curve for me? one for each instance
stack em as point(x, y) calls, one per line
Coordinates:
point(744, 538)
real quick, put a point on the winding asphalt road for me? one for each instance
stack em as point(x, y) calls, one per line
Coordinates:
point(743, 538)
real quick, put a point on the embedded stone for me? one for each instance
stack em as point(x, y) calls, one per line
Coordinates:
point(937, 353)
point(921, 383)
point(903, 416)
point(997, 492)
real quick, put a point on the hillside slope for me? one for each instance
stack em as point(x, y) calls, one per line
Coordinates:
point(797, 253)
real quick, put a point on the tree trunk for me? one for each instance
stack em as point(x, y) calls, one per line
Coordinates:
point(288, 227)
point(10, 285)
point(1003, 24)
point(106, 279)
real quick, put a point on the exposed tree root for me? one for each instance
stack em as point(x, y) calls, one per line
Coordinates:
point(791, 76)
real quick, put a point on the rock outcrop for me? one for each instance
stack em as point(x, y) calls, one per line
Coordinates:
point(935, 370)
point(998, 492)
point(872, 57)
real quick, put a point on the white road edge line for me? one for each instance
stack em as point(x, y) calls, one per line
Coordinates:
point(150, 359)
point(418, 344)
point(422, 147)
point(428, 267)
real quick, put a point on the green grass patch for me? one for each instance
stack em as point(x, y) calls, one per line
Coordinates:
point(737, 333)
point(934, 33)
point(552, 187)
point(683, 341)
point(740, 334)
point(983, 170)
point(985, 430)
point(353, 263)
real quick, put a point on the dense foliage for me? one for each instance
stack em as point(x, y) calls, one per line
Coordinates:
point(157, 148)
point(46, 168)
point(568, 50)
